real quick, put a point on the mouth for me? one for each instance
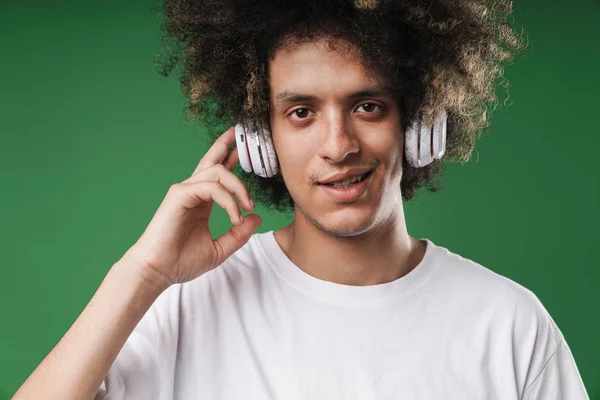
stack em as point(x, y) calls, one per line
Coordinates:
point(349, 190)
point(353, 180)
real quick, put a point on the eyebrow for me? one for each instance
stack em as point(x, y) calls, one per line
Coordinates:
point(286, 97)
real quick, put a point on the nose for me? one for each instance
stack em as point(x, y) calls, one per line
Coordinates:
point(339, 140)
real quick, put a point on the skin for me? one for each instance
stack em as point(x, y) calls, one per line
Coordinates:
point(320, 128)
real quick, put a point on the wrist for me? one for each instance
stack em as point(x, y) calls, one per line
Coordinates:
point(146, 279)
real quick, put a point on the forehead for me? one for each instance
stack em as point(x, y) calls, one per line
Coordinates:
point(322, 68)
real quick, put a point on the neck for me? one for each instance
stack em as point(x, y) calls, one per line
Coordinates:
point(383, 254)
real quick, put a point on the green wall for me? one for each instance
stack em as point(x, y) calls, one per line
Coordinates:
point(92, 138)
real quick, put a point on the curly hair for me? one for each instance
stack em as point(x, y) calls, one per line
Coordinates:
point(435, 54)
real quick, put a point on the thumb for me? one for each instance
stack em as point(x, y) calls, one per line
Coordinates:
point(236, 237)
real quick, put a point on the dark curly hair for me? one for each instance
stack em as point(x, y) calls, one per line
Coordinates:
point(435, 54)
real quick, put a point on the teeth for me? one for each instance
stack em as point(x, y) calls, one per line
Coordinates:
point(346, 183)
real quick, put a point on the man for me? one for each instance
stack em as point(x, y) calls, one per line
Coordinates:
point(343, 303)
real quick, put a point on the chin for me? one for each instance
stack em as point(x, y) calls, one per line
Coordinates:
point(343, 223)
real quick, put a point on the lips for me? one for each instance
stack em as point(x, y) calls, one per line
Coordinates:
point(347, 193)
point(349, 181)
point(350, 176)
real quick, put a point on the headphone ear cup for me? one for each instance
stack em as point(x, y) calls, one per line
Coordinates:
point(425, 151)
point(423, 144)
point(256, 151)
point(273, 163)
point(439, 134)
point(264, 169)
point(253, 151)
point(411, 144)
point(241, 141)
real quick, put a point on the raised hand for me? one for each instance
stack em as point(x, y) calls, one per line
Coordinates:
point(177, 245)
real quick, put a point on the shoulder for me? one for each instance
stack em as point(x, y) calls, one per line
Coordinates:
point(496, 304)
point(474, 283)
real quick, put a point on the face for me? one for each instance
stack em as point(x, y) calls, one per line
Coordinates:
point(332, 120)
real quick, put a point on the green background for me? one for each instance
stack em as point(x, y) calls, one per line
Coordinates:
point(92, 138)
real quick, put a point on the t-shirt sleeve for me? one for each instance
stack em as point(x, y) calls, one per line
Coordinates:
point(559, 379)
point(144, 368)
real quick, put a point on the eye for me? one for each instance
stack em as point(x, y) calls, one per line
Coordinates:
point(369, 107)
point(300, 113)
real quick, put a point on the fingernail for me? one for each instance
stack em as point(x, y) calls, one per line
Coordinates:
point(241, 218)
point(251, 203)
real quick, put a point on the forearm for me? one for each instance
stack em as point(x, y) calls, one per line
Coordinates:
point(76, 366)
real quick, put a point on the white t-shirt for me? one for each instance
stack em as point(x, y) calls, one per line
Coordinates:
point(258, 327)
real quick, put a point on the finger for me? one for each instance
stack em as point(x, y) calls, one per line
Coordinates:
point(236, 237)
point(219, 173)
point(196, 193)
point(218, 151)
point(225, 200)
point(232, 159)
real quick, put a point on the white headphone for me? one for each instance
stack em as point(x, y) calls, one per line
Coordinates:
point(422, 144)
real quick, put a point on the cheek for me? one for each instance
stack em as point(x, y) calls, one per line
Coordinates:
point(388, 148)
point(398, 155)
point(293, 157)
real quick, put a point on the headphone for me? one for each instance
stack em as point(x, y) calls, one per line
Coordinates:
point(422, 144)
